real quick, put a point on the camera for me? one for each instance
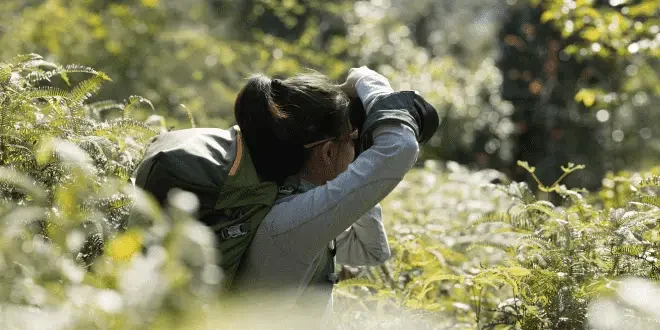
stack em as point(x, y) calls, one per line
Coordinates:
point(423, 112)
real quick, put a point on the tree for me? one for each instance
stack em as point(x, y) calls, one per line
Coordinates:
point(558, 59)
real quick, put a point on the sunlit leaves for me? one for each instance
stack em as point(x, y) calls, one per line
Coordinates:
point(125, 245)
point(591, 34)
point(65, 208)
point(586, 96)
point(557, 259)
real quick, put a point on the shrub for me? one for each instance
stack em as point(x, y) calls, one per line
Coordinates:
point(68, 260)
point(478, 254)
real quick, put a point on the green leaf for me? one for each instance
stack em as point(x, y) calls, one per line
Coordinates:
point(591, 34)
point(645, 8)
point(526, 166)
point(5, 72)
point(549, 15)
point(586, 96)
point(518, 271)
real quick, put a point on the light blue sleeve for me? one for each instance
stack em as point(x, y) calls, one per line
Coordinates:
point(365, 242)
point(371, 88)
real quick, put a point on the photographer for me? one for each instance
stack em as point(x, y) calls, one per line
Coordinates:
point(299, 134)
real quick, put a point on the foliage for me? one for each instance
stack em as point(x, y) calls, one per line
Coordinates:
point(486, 255)
point(199, 53)
point(68, 260)
point(582, 76)
point(624, 36)
point(445, 51)
point(519, 80)
point(172, 52)
point(576, 81)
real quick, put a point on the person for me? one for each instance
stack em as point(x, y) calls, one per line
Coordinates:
point(299, 134)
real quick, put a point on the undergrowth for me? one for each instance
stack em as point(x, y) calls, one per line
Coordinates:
point(471, 250)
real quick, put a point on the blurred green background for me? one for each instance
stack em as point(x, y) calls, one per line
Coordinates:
point(546, 82)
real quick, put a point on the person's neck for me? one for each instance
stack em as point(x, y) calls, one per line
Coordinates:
point(312, 177)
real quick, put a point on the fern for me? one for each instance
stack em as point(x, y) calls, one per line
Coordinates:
point(128, 124)
point(133, 102)
point(41, 75)
point(631, 250)
point(190, 116)
point(47, 92)
point(86, 88)
point(519, 221)
point(23, 60)
point(653, 181)
point(647, 200)
point(5, 72)
point(539, 240)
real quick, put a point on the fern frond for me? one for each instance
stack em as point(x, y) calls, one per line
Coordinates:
point(77, 68)
point(631, 250)
point(443, 277)
point(520, 221)
point(539, 240)
point(86, 88)
point(492, 218)
point(190, 116)
point(119, 203)
point(584, 209)
point(47, 92)
point(5, 72)
point(19, 60)
point(41, 75)
point(130, 124)
point(544, 207)
point(555, 256)
point(133, 102)
point(647, 200)
point(121, 171)
point(78, 124)
point(543, 283)
point(653, 181)
point(25, 132)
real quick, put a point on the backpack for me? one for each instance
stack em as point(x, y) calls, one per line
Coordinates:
point(215, 165)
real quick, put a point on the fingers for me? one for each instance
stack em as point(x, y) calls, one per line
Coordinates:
point(354, 75)
point(348, 89)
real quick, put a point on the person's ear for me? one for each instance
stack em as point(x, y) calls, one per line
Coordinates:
point(328, 152)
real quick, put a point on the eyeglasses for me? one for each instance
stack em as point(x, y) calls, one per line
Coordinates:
point(353, 136)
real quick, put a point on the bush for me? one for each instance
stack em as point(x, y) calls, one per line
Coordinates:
point(468, 253)
point(69, 260)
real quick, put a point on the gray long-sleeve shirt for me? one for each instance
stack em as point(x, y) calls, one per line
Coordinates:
point(291, 241)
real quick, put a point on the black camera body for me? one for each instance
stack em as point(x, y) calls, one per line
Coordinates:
point(423, 112)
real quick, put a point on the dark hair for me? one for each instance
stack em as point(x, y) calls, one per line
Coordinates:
point(278, 117)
